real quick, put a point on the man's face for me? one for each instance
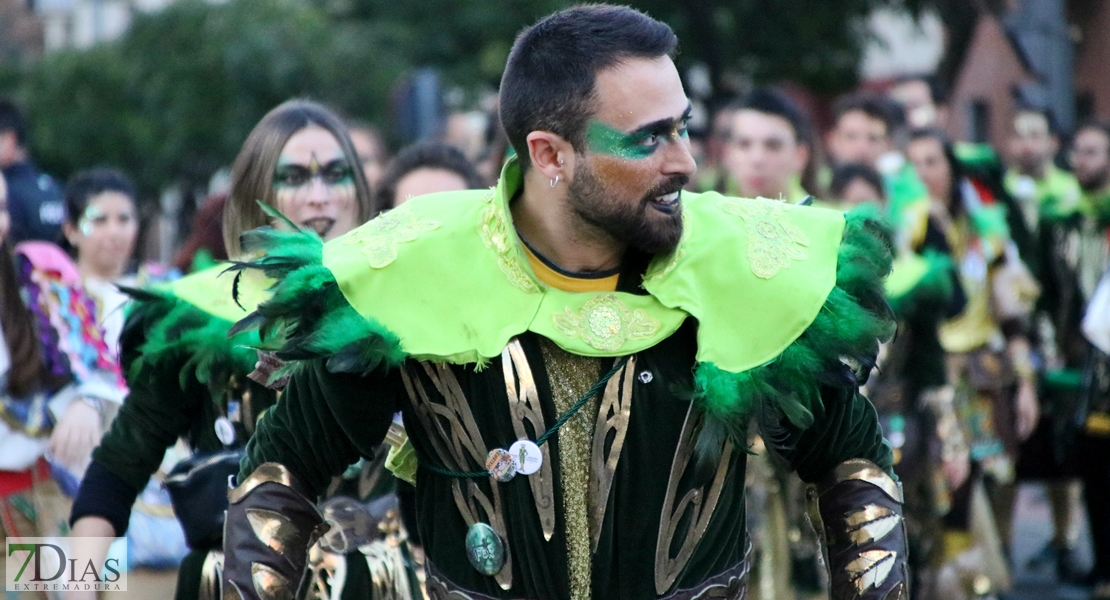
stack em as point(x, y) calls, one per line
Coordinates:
point(627, 183)
point(1090, 159)
point(1031, 144)
point(858, 138)
point(764, 154)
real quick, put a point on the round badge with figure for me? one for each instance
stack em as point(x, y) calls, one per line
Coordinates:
point(500, 465)
point(225, 431)
point(484, 549)
point(527, 457)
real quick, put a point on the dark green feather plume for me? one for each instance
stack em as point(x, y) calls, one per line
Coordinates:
point(185, 341)
point(307, 316)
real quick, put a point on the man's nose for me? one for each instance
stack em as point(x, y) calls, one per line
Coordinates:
point(679, 158)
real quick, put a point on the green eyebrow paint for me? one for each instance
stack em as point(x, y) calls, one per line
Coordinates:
point(606, 140)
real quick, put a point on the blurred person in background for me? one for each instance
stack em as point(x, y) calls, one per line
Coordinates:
point(1090, 161)
point(921, 99)
point(861, 132)
point(1089, 158)
point(35, 201)
point(426, 168)
point(190, 377)
point(770, 146)
point(101, 226)
point(204, 247)
point(712, 175)
point(59, 384)
point(373, 154)
point(1048, 201)
point(856, 183)
point(990, 358)
point(1043, 190)
point(910, 389)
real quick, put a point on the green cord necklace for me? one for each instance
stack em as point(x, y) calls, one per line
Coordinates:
point(503, 469)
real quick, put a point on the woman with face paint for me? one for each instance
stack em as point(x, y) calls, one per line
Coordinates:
point(58, 383)
point(189, 377)
point(101, 227)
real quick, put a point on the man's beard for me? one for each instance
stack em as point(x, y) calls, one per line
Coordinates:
point(634, 225)
point(1096, 182)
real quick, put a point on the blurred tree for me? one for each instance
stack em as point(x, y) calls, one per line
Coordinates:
point(817, 44)
point(172, 101)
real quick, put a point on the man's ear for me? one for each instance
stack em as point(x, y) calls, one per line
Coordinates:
point(71, 234)
point(549, 153)
point(801, 157)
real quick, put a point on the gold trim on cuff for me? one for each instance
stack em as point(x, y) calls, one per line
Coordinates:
point(860, 469)
point(265, 473)
point(269, 584)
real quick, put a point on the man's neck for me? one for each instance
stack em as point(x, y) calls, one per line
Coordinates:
point(14, 157)
point(1037, 172)
point(543, 217)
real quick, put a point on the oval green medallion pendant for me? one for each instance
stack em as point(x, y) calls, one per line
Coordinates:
point(485, 549)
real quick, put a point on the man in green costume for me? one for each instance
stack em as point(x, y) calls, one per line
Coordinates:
point(589, 311)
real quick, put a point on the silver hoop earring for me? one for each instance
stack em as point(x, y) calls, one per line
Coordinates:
point(555, 182)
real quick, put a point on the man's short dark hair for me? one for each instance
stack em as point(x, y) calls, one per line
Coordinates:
point(774, 102)
point(11, 119)
point(844, 175)
point(426, 155)
point(872, 105)
point(548, 84)
point(1100, 125)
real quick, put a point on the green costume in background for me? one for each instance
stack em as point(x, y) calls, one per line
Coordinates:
point(433, 309)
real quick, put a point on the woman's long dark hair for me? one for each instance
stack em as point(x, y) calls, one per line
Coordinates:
point(28, 370)
point(955, 167)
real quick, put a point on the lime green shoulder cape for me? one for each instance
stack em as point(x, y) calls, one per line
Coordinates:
point(779, 292)
point(186, 326)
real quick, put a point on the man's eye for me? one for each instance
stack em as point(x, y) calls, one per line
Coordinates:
point(651, 139)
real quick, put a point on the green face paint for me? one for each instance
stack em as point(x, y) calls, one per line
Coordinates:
point(632, 146)
point(293, 176)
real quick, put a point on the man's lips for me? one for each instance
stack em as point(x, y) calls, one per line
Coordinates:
point(667, 203)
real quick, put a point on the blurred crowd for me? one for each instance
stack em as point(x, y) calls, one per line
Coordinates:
point(999, 374)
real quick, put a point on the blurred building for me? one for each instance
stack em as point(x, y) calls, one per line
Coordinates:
point(1050, 54)
point(20, 32)
point(83, 23)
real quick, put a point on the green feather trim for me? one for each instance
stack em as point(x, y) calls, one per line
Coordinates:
point(839, 347)
point(307, 316)
point(185, 341)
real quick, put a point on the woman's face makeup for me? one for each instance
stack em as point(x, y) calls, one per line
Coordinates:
point(314, 183)
point(105, 233)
